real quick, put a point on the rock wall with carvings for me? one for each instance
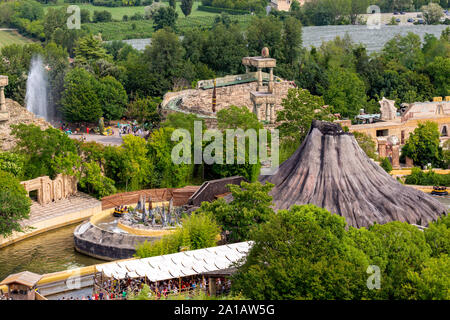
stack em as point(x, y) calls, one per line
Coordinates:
point(49, 190)
point(199, 101)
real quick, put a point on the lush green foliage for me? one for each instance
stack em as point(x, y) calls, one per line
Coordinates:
point(423, 146)
point(427, 178)
point(386, 164)
point(46, 152)
point(249, 209)
point(366, 143)
point(197, 231)
point(303, 253)
point(299, 109)
point(14, 204)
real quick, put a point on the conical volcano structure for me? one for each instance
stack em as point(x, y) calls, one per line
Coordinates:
point(331, 171)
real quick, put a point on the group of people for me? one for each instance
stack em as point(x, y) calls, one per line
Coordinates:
point(128, 129)
point(112, 289)
point(3, 296)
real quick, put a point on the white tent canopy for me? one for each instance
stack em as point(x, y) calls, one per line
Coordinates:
point(181, 264)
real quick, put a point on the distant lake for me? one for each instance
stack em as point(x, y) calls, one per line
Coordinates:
point(373, 39)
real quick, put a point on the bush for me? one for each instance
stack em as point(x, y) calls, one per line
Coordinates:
point(220, 10)
point(427, 178)
point(386, 165)
point(197, 232)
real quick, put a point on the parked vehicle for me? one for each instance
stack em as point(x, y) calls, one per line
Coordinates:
point(411, 20)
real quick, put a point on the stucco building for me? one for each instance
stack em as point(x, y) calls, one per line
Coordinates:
point(284, 5)
point(396, 125)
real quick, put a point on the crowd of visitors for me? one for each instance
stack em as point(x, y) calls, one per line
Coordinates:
point(3, 296)
point(111, 289)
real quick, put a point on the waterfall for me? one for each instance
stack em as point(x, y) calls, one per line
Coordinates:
point(37, 86)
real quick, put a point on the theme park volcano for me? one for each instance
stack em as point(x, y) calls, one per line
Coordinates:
point(331, 171)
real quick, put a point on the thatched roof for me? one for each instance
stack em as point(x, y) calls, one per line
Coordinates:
point(331, 171)
point(25, 278)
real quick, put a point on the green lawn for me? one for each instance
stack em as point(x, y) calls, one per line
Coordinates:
point(122, 30)
point(8, 37)
point(118, 12)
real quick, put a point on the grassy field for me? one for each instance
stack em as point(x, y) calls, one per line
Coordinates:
point(118, 12)
point(122, 30)
point(8, 37)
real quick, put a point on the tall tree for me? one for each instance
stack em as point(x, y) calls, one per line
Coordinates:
point(186, 7)
point(422, 145)
point(299, 109)
point(14, 204)
point(80, 101)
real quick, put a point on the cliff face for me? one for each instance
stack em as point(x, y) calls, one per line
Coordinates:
point(17, 114)
point(331, 171)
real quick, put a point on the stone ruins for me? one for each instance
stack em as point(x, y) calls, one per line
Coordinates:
point(262, 93)
point(49, 190)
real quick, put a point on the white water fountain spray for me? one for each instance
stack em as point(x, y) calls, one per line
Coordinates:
point(37, 86)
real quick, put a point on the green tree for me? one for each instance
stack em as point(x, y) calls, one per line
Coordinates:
point(439, 70)
point(14, 204)
point(144, 110)
point(299, 109)
point(264, 32)
point(366, 143)
point(291, 40)
point(303, 253)
point(432, 13)
point(197, 231)
point(89, 49)
point(386, 165)
point(438, 236)
point(46, 152)
point(166, 174)
point(186, 7)
point(13, 163)
point(165, 54)
point(396, 248)
point(235, 117)
point(249, 209)
point(432, 282)
point(165, 17)
point(345, 92)
point(80, 101)
point(113, 98)
point(138, 167)
point(422, 145)
point(93, 182)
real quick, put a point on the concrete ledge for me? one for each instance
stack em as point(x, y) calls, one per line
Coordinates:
point(51, 224)
point(107, 245)
point(144, 232)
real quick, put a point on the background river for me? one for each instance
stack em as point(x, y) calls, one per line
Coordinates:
point(373, 39)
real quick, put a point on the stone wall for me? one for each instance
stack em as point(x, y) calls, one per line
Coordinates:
point(49, 190)
point(106, 245)
point(199, 101)
point(17, 114)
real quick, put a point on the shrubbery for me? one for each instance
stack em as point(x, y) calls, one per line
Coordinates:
point(197, 231)
point(427, 178)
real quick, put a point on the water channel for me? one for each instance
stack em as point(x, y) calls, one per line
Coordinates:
point(54, 250)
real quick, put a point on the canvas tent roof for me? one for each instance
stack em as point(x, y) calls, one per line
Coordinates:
point(25, 278)
point(182, 264)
